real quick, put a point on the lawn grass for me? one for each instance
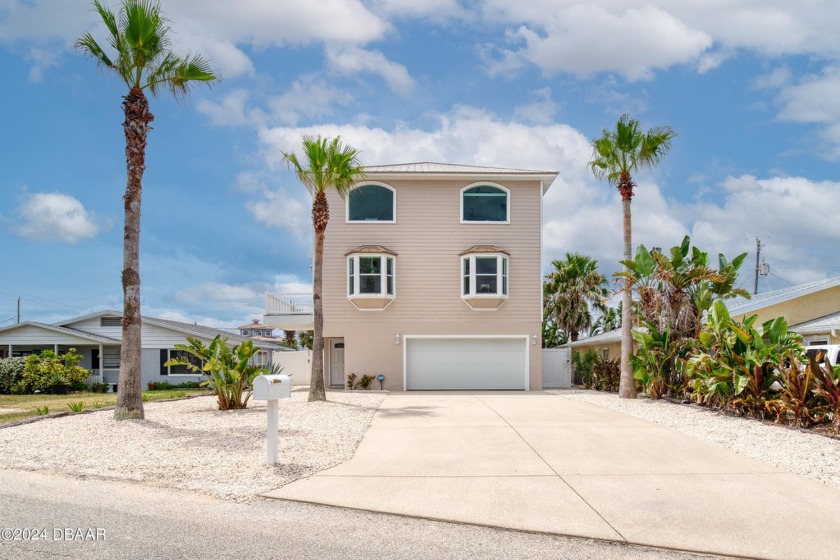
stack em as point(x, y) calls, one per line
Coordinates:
point(19, 407)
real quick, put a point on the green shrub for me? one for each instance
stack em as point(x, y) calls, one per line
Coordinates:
point(76, 406)
point(11, 370)
point(351, 381)
point(51, 373)
point(42, 410)
point(583, 365)
point(365, 381)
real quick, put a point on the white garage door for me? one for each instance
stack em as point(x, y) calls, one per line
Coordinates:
point(465, 363)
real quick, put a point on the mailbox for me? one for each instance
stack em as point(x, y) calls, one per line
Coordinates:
point(272, 387)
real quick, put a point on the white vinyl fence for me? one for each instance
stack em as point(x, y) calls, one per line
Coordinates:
point(556, 368)
point(297, 364)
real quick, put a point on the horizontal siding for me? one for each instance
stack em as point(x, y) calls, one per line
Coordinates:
point(428, 239)
point(33, 335)
point(158, 337)
point(93, 326)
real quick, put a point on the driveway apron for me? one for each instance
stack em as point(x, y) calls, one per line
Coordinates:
point(543, 463)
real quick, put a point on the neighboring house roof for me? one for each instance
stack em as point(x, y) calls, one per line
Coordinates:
point(824, 324)
point(63, 330)
point(435, 170)
point(741, 306)
point(189, 329)
point(608, 337)
point(254, 324)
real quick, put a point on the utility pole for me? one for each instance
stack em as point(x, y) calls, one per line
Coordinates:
point(18, 313)
point(757, 254)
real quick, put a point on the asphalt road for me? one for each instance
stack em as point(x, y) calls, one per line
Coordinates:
point(81, 519)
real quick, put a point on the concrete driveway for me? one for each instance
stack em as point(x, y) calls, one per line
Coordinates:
point(541, 463)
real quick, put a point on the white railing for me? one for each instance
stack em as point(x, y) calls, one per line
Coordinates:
point(94, 377)
point(288, 304)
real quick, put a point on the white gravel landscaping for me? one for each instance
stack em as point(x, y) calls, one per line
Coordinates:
point(191, 445)
point(792, 450)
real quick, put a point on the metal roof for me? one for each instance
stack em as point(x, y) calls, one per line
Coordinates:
point(822, 324)
point(190, 329)
point(608, 337)
point(739, 305)
point(63, 330)
point(436, 167)
point(436, 170)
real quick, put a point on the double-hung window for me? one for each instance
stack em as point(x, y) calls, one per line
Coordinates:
point(371, 279)
point(485, 275)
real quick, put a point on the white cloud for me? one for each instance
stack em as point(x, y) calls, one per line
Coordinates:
point(777, 78)
point(350, 61)
point(541, 109)
point(279, 209)
point(435, 10)
point(54, 217)
point(309, 97)
point(231, 111)
point(637, 37)
point(584, 39)
point(214, 28)
point(42, 60)
point(813, 99)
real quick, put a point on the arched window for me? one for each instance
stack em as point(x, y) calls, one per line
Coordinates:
point(485, 203)
point(372, 203)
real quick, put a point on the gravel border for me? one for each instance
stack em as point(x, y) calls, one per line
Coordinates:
point(797, 451)
point(189, 444)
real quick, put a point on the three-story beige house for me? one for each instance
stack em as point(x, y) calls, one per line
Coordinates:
point(432, 277)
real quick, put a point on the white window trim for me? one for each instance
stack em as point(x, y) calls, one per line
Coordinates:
point(499, 275)
point(482, 184)
point(347, 219)
point(383, 275)
point(169, 368)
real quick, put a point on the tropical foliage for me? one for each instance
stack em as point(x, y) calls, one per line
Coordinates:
point(571, 289)
point(616, 155)
point(735, 367)
point(674, 291)
point(228, 369)
point(326, 164)
point(138, 37)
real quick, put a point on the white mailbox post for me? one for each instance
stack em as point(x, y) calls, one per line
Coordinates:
point(271, 388)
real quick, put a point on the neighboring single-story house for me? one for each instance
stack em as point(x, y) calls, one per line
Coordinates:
point(97, 337)
point(812, 310)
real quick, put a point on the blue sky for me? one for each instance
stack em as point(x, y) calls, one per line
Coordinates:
point(752, 88)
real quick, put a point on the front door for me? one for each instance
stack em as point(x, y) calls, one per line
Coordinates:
point(337, 362)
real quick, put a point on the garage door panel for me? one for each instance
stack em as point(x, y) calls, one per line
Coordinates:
point(465, 363)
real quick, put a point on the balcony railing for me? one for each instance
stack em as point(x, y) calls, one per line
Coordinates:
point(288, 304)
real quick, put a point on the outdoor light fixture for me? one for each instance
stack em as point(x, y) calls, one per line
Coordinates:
point(397, 338)
point(534, 340)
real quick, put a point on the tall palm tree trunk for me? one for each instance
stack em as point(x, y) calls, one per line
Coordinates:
point(627, 383)
point(320, 217)
point(136, 127)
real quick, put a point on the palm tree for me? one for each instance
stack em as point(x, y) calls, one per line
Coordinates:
point(142, 59)
point(571, 289)
point(327, 163)
point(615, 155)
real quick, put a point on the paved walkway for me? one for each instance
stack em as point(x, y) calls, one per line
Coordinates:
point(541, 463)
